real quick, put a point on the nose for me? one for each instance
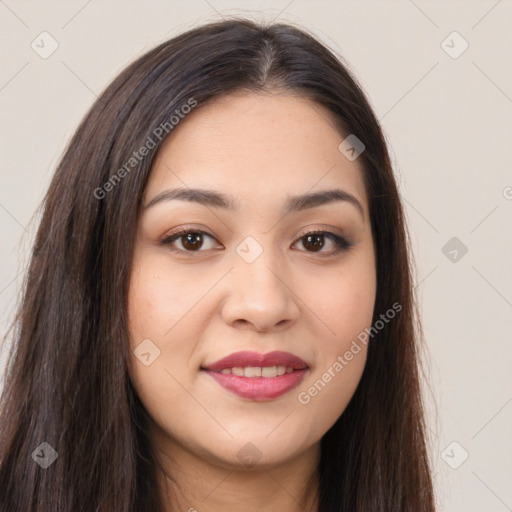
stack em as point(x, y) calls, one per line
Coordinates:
point(260, 295)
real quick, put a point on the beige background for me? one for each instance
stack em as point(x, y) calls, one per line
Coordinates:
point(448, 121)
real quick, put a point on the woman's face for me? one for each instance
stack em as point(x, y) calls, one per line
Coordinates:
point(247, 281)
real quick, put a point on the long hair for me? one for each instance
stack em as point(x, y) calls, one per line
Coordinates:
point(67, 381)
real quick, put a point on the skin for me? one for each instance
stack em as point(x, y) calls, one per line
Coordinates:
point(259, 148)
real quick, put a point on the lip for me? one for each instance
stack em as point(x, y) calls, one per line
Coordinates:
point(248, 358)
point(258, 388)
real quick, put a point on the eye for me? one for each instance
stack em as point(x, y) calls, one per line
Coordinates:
point(193, 240)
point(314, 241)
point(190, 240)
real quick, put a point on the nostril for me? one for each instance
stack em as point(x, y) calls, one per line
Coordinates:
point(241, 321)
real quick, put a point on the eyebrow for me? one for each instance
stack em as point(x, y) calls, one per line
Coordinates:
point(219, 200)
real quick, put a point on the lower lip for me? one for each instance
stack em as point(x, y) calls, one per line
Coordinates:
point(259, 388)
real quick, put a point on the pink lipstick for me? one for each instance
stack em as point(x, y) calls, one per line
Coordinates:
point(258, 377)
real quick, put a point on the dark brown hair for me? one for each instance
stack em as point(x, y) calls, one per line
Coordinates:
point(67, 381)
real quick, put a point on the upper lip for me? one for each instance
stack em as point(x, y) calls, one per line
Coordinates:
point(248, 358)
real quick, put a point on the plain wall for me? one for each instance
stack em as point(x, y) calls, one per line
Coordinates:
point(449, 125)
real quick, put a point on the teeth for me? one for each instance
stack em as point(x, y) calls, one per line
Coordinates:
point(256, 371)
point(269, 371)
point(252, 371)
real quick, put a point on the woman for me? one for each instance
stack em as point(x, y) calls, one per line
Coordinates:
point(218, 312)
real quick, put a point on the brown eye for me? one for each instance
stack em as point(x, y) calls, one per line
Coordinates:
point(313, 242)
point(192, 241)
point(316, 242)
point(189, 241)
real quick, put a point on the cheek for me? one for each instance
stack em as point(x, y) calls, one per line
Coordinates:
point(153, 304)
point(343, 302)
point(158, 320)
point(157, 314)
point(345, 305)
point(161, 298)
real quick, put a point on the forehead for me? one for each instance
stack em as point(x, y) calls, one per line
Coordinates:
point(257, 146)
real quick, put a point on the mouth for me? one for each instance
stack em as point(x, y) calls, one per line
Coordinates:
point(258, 377)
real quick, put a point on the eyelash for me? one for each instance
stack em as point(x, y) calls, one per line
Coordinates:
point(342, 244)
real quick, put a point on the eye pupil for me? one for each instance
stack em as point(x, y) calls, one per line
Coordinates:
point(316, 241)
point(192, 241)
